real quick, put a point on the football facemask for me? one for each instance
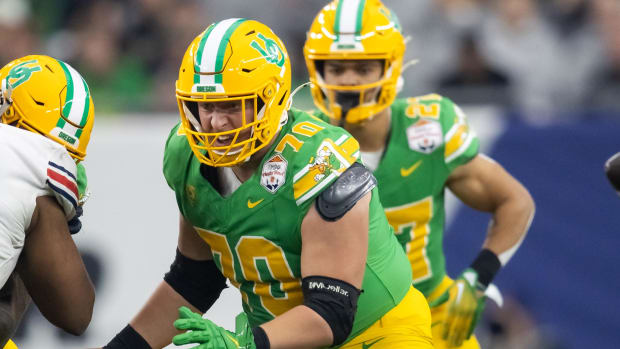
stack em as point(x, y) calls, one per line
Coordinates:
point(354, 30)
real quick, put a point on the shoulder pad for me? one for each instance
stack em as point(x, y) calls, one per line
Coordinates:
point(344, 193)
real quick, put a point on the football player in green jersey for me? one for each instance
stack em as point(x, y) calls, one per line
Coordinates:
point(277, 202)
point(416, 148)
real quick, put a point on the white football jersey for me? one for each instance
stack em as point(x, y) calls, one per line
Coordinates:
point(30, 166)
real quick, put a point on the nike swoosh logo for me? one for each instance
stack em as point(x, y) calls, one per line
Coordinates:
point(366, 346)
point(253, 204)
point(405, 172)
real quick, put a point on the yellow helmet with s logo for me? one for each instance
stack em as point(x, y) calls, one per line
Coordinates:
point(49, 97)
point(234, 60)
point(354, 30)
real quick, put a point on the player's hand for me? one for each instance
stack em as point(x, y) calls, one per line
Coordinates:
point(465, 302)
point(211, 336)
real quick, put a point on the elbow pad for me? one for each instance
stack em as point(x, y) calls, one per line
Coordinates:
point(334, 300)
point(199, 282)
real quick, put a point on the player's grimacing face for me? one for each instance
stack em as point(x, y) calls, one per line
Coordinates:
point(222, 116)
point(353, 73)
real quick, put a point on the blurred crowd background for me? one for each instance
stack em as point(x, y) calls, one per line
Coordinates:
point(534, 57)
point(551, 67)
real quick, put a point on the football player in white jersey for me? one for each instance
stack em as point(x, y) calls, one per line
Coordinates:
point(47, 115)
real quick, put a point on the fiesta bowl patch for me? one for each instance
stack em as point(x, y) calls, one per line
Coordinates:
point(424, 136)
point(274, 173)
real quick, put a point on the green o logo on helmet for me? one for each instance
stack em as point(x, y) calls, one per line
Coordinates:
point(22, 73)
point(271, 52)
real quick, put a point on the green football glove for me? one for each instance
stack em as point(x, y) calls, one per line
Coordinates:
point(82, 184)
point(211, 336)
point(465, 302)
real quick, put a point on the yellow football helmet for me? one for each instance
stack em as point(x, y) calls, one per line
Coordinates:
point(49, 97)
point(354, 30)
point(234, 60)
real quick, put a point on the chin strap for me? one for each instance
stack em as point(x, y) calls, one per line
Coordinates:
point(6, 90)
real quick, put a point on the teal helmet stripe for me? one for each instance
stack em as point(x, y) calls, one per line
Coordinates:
point(77, 100)
point(201, 47)
point(347, 27)
point(210, 57)
point(337, 19)
point(221, 51)
point(360, 13)
point(86, 109)
point(66, 109)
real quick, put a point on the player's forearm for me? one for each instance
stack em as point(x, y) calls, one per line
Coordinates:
point(71, 311)
point(511, 220)
point(155, 319)
point(53, 272)
point(300, 327)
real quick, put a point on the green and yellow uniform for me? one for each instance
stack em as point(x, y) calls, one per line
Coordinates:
point(429, 138)
point(255, 232)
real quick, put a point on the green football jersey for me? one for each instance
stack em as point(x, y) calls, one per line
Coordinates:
point(429, 138)
point(255, 232)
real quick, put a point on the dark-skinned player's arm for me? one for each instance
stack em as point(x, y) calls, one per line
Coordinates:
point(52, 269)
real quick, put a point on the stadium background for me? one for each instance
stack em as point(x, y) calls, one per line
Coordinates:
point(539, 80)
